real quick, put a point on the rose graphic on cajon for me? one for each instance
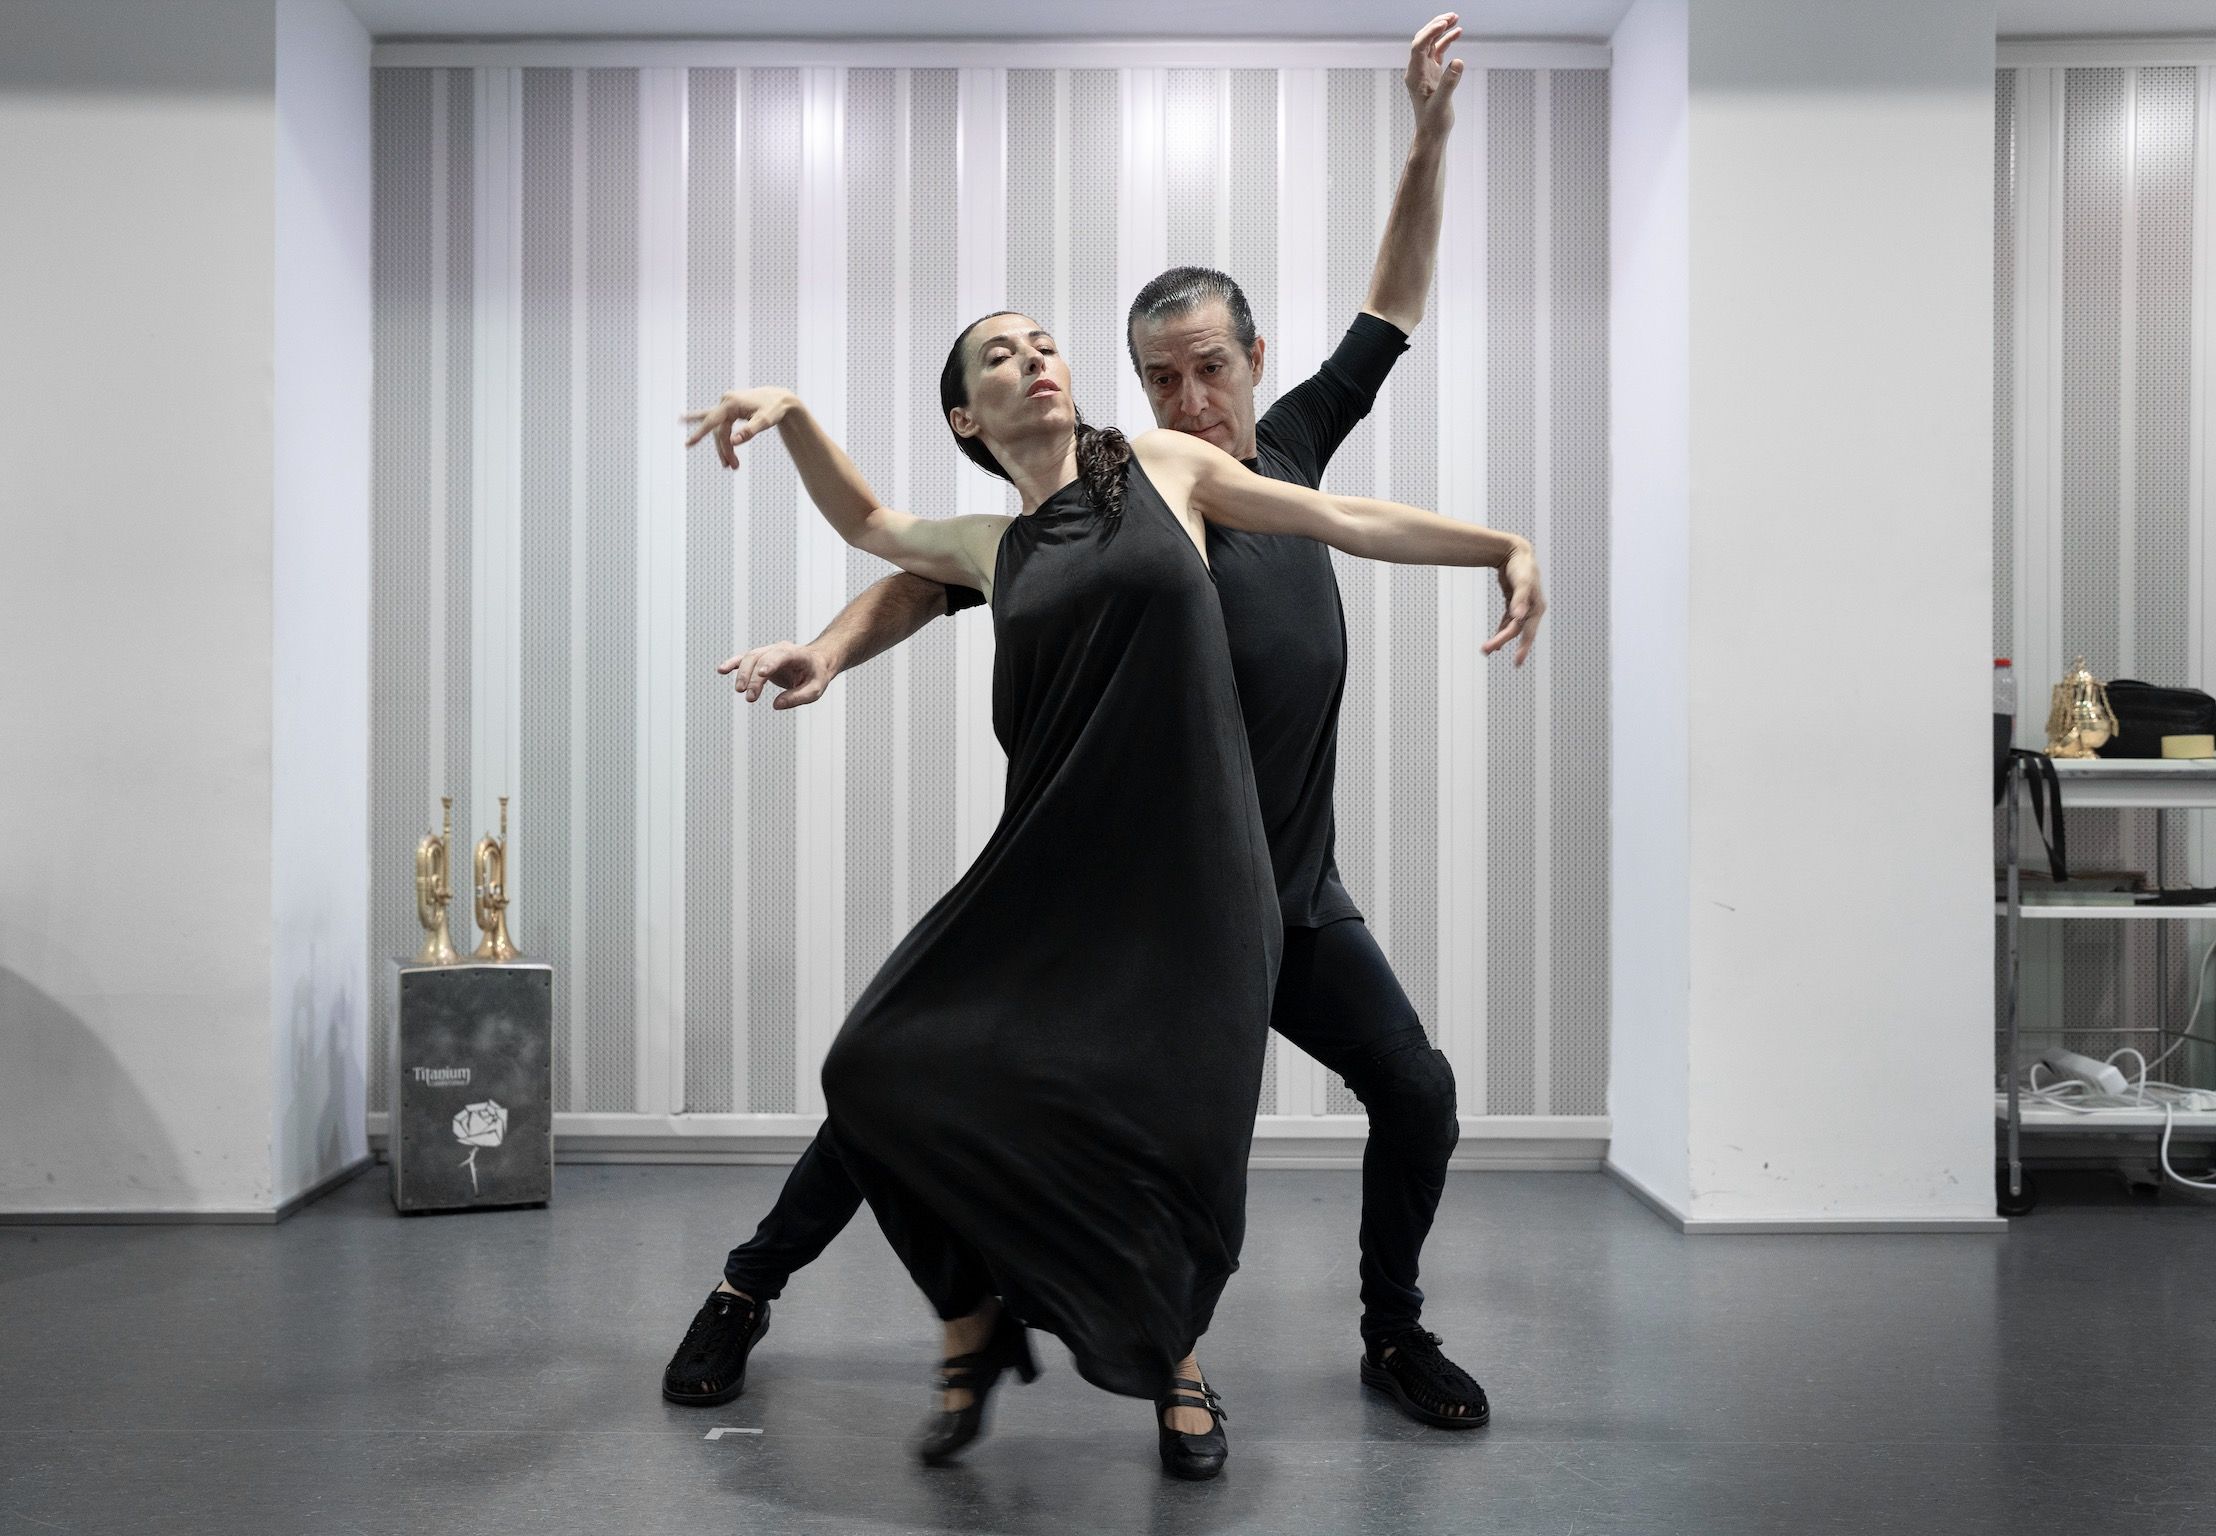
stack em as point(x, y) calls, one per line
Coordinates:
point(479, 1126)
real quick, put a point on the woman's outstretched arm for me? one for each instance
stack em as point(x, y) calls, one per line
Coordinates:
point(945, 549)
point(1220, 489)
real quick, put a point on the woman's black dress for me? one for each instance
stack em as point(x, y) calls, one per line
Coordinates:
point(1058, 1068)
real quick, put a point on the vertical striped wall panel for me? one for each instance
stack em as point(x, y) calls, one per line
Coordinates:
point(2102, 265)
point(562, 252)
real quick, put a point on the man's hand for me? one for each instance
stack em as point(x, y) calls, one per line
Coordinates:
point(801, 672)
point(1431, 79)
point(740, 416)
point(1519, 583)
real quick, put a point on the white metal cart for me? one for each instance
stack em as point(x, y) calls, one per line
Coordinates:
point(2088, 784)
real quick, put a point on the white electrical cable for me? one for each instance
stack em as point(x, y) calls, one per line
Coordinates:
point(2192, 1012)
point(2076, 1097)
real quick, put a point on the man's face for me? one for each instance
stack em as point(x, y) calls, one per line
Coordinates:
point(1197, 376)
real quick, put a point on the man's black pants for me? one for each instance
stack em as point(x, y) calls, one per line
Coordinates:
point(1338, 1000)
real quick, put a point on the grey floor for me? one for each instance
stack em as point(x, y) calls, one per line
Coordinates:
point(352, 1371)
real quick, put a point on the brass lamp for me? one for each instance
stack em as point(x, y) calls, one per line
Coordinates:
point(2080, 719)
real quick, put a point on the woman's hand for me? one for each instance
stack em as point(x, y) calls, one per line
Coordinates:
point(801, 673)
point(740, 416)
point(1519, 583)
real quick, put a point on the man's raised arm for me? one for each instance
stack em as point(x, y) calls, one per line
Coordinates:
point(1410, 248)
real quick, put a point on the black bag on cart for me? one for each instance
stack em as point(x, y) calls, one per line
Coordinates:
point(2046, 788)
point(2145, 714)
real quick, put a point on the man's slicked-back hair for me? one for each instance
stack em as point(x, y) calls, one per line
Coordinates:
point(1180, 289)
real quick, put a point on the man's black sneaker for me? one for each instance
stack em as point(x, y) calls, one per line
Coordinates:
point(710, 1365)
point(1427, 1385)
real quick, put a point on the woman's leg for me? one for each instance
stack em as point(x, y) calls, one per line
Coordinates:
point(951, 1274)
point(1187, 1420)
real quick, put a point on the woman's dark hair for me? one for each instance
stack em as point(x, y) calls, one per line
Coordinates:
point(1101, 451)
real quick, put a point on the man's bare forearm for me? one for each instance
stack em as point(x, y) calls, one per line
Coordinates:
point(881, 616)
point(1401, 279)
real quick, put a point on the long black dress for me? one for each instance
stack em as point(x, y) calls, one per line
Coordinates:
point(1059, 1066)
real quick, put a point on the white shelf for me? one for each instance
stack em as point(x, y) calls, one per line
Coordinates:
point(2151, 783)
point(2199, 1122)
point(2204, 914)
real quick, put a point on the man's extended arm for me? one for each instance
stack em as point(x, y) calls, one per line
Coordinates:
point(880, 617)
point(1409, 250)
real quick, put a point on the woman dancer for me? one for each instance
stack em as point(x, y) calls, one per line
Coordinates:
point(1048, 1091)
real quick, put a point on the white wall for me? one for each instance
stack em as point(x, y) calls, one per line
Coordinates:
point(184, 410)
point(1841, 431)
point(1649, 378)
point(320, 778)
point(135, 619)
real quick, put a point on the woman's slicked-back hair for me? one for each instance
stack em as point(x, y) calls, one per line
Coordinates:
point(1101, 451)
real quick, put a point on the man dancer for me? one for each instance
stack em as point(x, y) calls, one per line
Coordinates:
point(1192, 339)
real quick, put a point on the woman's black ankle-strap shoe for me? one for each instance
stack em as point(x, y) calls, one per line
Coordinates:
point(947, 1430)
point(1195, 1458)
point(1409, 1368)
point(710, 1364)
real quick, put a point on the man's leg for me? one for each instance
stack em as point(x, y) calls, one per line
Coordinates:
point(1338, 1000)
point(818, 1200)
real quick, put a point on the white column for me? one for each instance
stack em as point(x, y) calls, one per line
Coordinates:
point(496, 472)
point(1542, 535)
point(1464, 597)
point(434, 473)
point(1142, 220)
point(2201, 634)
point(2127, 396)
point(580, 843)
point(819, 970)
point(1840, 913)
point(660, 910)
point(2038, 658)
point(896, 853)
point(981, 275)
point(1294, 352)
point(742, 565)
point(1384, 174)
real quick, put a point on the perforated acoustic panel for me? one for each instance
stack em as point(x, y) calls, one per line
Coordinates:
point(1193, 162)
point(547, 801)
point(1350, 248)
point(591, 209)
point(1577, 562)
point(771, 136)
point(874, 266)
point(2004, 361)
point(1512, 300)
point(714, 1024)
point(2112, 408)
point(404, 626)
point(930, 470)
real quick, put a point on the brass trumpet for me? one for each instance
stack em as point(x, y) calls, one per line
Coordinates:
point(491, 868)
point(432, 892)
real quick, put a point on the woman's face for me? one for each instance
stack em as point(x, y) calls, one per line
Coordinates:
point(1019, 384)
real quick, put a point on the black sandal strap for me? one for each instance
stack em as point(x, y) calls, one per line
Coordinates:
point(1202, 1396)
point(961, 1373)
